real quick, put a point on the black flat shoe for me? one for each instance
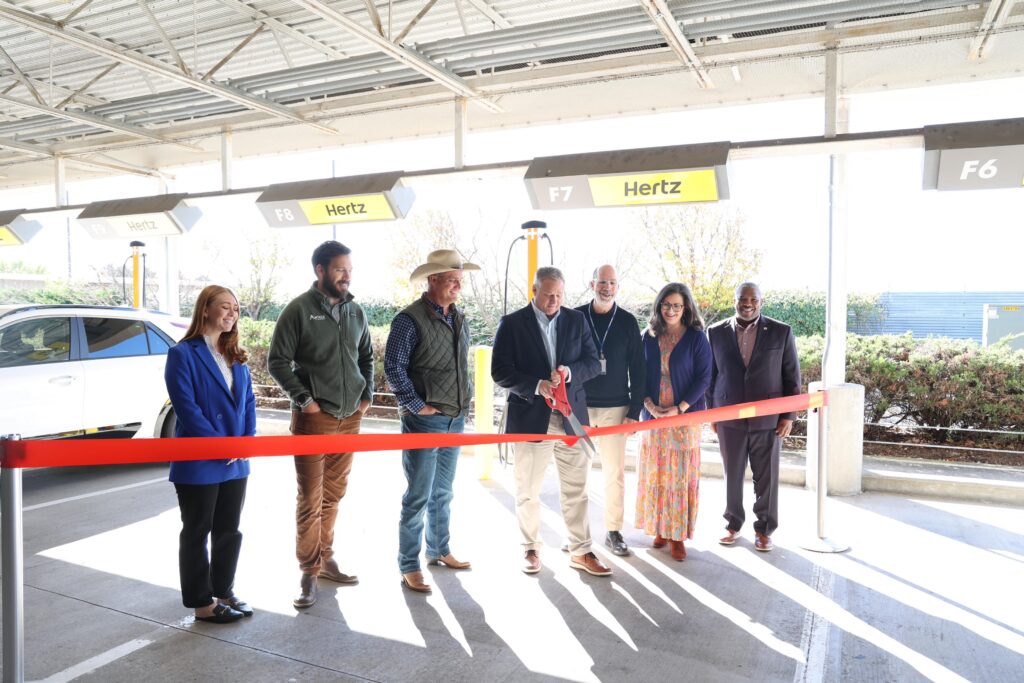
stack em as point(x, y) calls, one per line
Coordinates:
point(239, 605)
point(222, 614)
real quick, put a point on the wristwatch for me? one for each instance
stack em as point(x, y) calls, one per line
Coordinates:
point(303, 400)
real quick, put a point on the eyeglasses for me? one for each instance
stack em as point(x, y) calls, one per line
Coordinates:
point(672, 307)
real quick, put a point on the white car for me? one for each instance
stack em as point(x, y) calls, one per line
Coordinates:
point(85, 371)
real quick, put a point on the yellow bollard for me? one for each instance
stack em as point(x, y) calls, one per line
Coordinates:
point(531, 260)
point(136, 303)
point(483, 420)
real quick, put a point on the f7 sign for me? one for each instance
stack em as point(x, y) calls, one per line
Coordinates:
point(981, 168)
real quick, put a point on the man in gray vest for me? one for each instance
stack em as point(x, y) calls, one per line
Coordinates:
point(427, 367)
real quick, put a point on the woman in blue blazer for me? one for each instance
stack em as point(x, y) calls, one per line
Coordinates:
point(211, 391)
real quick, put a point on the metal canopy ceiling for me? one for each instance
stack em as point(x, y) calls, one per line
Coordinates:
point(131, 85)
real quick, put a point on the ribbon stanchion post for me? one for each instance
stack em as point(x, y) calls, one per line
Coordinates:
point(13, 569)
point(822, 544)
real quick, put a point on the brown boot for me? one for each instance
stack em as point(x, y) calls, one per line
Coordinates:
point(659, 542)
point(331, 572)
point(678, 550)
point(414, 582)
point(307, 592)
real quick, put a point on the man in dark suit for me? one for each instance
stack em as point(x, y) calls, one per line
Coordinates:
point(532, 348)
point(755, 358)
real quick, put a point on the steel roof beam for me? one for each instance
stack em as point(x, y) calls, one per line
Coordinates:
point(405, 55)
point(485, 9)
point(20, 75)
point(662, 17)
point(371, 9)
point(278, 26)
point(415, 20)
point(996, 14)
point(149, 65)
point(27, 148)
point(97, 121)
point(234, 51)
point(164, 38)
point(74, 13)
point(88, 84)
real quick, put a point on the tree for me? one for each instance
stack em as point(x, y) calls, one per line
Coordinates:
point(256, 289)
point(702, 245)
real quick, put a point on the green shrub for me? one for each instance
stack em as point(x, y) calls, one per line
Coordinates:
point(938, 382)
point(805, 311)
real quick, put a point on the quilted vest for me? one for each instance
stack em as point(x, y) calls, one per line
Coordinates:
point(438, 367)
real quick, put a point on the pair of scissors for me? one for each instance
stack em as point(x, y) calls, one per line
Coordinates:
point(560, 402)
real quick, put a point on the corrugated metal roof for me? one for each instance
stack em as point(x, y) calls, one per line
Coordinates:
point(317, 61)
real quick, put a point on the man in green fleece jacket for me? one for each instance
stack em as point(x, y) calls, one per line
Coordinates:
point(321, 356)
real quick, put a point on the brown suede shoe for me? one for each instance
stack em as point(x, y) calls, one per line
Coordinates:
point(590, 564)
point(678, 550)
point(331, 572)
point(730, 537)
point(449, 561)
point(307, 592)
point(531, 562)
point(658, 542)
point(414, 582)
point(763, 543)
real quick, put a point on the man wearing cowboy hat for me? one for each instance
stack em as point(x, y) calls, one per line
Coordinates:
point(427, 367)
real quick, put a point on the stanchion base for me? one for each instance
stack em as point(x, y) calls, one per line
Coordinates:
point(824, 545)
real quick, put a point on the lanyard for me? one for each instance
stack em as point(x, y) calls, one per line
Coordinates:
point(600, 342)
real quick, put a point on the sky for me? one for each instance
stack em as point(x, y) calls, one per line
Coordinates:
point(900, 237)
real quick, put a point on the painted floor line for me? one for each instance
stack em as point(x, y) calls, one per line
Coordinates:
point(93, 494)
point(90, 665)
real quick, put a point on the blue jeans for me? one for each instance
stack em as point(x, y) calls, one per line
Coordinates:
point(429, 473)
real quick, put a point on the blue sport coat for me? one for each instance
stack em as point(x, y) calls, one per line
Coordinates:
point(689, 369)
point(205, 407)
point(520, 360)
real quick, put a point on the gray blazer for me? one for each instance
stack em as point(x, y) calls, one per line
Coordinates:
point(774, 370)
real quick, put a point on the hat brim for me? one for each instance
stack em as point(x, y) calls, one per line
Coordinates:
point(427, 269)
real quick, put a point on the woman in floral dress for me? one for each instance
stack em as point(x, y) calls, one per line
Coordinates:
point(678, 373)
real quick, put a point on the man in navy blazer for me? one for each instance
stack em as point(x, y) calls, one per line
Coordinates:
point(754, 358)
point(533, 347)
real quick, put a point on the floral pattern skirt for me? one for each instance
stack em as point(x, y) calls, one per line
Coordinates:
point(668, 474)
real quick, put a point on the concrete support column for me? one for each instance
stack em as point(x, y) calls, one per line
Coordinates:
point(226, 157)
point(833, 367)
point(844, 464)
point(461, 128)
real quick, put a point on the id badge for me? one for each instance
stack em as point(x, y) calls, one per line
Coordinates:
point(604, 365)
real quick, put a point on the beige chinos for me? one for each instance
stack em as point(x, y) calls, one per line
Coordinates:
point(612, 448)
point(531, 462)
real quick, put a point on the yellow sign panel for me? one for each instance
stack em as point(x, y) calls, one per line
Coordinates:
point(669, 187)
point(363, 207)
point(816, 400)
point(1010, 309)
point(8, 238)
point(748, 412)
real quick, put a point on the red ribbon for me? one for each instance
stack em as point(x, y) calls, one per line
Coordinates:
point(71, 452)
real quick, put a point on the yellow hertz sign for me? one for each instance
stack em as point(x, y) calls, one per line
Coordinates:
point(672, 187)
point(8, 238)
point(364, 207)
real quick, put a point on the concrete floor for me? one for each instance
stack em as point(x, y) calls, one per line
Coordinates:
point(930, 590)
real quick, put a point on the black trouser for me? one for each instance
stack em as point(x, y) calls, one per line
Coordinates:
point(209, 510)
point(761, 448)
